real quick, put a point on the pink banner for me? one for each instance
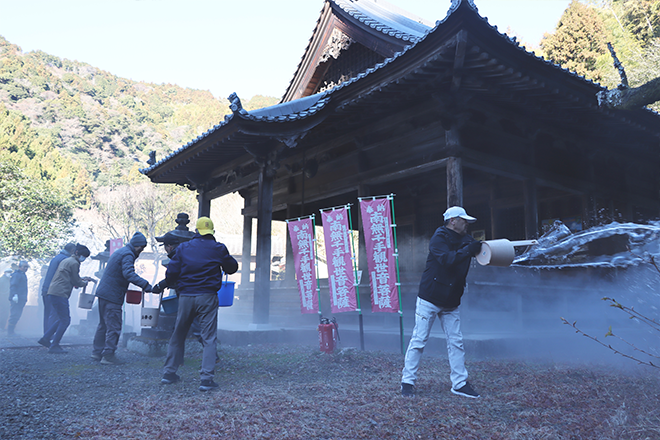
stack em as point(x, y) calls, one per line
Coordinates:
point(377, 225)
point(341, 278)
point(302, 242)
point(115, 243)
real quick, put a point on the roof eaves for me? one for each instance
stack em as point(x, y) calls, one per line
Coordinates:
point(316, 104)
point(378, 23)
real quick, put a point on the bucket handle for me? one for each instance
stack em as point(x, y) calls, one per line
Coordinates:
point(160, 297)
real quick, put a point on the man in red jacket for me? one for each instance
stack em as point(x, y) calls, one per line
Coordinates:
point(440, 292)
point(196, 268)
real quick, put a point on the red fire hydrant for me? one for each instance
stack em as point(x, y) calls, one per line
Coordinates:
point(328, 335)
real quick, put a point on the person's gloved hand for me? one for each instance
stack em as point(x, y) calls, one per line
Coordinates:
point(157, 288)
point(148, 289)
point(474, 248)
point(15, 299)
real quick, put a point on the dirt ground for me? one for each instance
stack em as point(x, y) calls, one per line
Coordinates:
point(295, 392)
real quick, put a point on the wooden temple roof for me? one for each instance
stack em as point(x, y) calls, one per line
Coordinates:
point(463, 63)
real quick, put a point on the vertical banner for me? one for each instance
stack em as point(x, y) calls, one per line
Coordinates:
point(341, 278)
point(377, 226)
point(115, 243)
point(302, 241)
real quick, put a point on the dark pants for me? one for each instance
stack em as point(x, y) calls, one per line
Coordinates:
point(15, 312)
point(60, 308)
point(206, 308)
point(109, 329)
point(49, 314)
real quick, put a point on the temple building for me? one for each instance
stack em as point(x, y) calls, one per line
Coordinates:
point(439, 114)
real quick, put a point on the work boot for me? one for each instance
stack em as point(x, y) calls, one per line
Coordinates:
point(56, 349)
point(45, 342)
point(170, 378)
point(208, 385)
point(111, 359)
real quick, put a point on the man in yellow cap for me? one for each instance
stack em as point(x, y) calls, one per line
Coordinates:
point(196, 267)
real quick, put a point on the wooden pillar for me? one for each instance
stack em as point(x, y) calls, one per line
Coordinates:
point(531, 209)
point(454, 182)
point(261, 308)
point(246, 257)
point(204, 204)
point(289, 267)
point(363, 264)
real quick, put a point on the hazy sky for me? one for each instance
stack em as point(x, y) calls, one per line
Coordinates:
point(245, 46)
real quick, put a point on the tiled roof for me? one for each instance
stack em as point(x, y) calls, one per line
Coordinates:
point(305, 107)
point(385, 18)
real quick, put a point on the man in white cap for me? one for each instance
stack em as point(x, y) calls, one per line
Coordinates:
point(440, 292)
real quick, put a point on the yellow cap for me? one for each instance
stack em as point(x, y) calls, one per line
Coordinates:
point(205, 226)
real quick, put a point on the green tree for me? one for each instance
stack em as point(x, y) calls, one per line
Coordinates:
point(578, 42)
point(35, 215)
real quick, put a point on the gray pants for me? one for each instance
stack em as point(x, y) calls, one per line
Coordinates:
point(206, 307)
point(109, 329)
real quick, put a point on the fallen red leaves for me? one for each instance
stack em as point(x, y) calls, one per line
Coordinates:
point(286, 392)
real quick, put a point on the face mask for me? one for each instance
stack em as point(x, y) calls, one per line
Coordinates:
point(82, 259)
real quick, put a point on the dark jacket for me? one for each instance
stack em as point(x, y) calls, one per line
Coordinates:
point(447, 265)
point(118, 273)
point(197, 265)
point(18, 285)
point(52, 268)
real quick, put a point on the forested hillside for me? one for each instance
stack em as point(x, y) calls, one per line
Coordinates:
point(632, 27)
point(68, 130)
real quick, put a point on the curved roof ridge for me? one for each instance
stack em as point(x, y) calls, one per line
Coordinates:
point(386, 18)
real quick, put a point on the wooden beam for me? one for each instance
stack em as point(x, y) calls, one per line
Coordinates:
point(531, 209)
point(454, 182)
point(204, 204)
point(459, 60)
point(247, 246)
point(261, 308)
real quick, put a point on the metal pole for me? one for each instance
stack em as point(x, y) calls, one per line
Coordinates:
point(316, 264)
point(398, 277)
point(357, 284)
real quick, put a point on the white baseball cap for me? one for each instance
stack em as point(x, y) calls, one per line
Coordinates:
point(457, 211)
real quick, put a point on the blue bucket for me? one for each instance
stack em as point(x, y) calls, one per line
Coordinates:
point(170, 305)
point(226, 294)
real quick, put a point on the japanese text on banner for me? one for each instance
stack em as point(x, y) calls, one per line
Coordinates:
point(302, 243)
point(341, 278)
point(377, 225)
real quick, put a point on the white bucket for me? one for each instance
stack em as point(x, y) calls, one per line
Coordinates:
point(500, 252)
point(149, 315)
point(86, 300)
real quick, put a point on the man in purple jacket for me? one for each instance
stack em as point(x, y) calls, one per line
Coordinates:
point(196, 268)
